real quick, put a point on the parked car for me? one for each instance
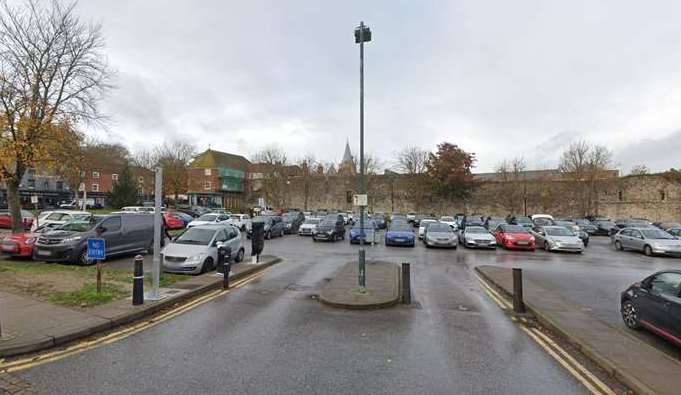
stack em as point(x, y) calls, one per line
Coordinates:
point(557, 238)
point(308, 227)
point(491, 223)
point(421, 217)
point(655, 304)
point(123, 233)
point(210, 219)
point(575, 229)
point(21, 244)
point(471, 220)
point(630, 223)
point(27, 219)
point(603, 227)
point(411, 216)
point(477, 237)
point(667, 225)
point(195, 251)
point(449, 221)
point(676, 232)
point(60, 217)
point(292, 221)
point(367, 234)
point(422, 226)
point(186, 218)
point(331, 228)
point(651, 241)
point(173, 220)
point(520, 221)
point(241, 221)
point(544, 216)
point(438, 234)
point(400, 233)
point(139, 209)
point(274, 226)
point(542, 221)
point(514, 237)
point(586, 225)
point(380, 221)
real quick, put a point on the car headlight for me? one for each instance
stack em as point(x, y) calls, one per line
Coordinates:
point(70, 240)
point(196, 258)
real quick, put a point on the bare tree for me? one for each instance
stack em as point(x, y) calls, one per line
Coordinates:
point(513, 186)
point(307, 165)
point(52, 76)
point(584, 164)
point(639, 170)
point(372, 164)
point(411, 160)
point(273, 164)
point(174, 157)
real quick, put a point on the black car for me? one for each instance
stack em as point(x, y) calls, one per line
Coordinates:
point(292, 221)
point(380, 221)
point(585, 225)
point(471, 220)
point(491, 223)
point(331, 228)
point(655, 304)
point(519, 220)
point(604, 227)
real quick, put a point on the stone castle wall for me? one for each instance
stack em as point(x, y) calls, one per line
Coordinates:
point(648, 196)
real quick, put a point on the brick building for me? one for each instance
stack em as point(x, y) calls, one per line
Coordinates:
point(99, 180)
point(218, 179)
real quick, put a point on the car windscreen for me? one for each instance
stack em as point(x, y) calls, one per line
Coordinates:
point(513, 229)
point(558, 232)
point(76, 226)
point(582, 222)
point(436, 227)
point(208, 217)
point(523, 220)
point(400, 227)
point(196, 236)
point(638, 222)
point(328, 222)
point(367, 225)
point(312, 221)
point(564, 223)
point(604, 223)
point(447, 219)
point(653, 233)
point(476, 229)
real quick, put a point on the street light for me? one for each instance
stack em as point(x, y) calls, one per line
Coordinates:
point(362, 35)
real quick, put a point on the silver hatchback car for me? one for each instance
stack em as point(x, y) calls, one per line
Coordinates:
point(650, 241)
point(196, 250)
point(557, 238)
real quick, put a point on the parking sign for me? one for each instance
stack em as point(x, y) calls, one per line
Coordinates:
point(96, 249)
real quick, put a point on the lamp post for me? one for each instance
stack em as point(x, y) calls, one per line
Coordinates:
point(362, 35)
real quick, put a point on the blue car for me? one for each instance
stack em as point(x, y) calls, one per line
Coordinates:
point(186, 218)
point(400, 234)
point(368, 233)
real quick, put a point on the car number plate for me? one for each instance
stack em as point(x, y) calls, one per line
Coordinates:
point(523, 243)
point(44, 252)
point(8, 247)
point(399, 240)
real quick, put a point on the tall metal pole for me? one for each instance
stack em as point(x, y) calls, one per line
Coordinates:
point(362, 268)
point(156, 266)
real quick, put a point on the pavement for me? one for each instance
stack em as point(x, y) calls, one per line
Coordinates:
point(638, 365)
point(30, 325)
point(382, 286)
point(272, 336)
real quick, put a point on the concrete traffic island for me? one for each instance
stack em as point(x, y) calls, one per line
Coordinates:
point(382, 287)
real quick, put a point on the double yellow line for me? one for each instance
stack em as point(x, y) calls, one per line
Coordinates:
point(576, 369)
point(27, 363)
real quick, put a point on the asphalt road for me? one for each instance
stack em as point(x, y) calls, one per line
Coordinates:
point(272, 336)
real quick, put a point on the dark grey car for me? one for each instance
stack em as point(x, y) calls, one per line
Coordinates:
point(123, 233)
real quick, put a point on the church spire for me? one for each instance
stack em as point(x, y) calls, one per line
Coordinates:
point(347, 155)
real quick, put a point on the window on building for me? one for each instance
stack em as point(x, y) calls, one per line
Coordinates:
point(31, 183)
point(95, 188)
point(59, 185)
point(82, 173)
point(207, 172)
point(619, 195)
point(95, 174)
point(207, 186)
point(114, 177)
point(662, 195)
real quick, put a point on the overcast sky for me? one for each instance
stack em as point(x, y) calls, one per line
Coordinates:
point(501, 79)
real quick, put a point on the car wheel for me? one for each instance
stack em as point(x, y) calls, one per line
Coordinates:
point(82, 258)
point(618, 245)
point(243, 228)
point(207, 265)
point(268, 235)
point(239, 256)
point(648, 251)
point(546, 246)
point(314, 239)
point(630, 315)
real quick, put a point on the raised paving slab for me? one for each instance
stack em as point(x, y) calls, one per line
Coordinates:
point(638, 365)
point(29, 325)
point(382, 286)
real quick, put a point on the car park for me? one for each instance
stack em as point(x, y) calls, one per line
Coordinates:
point(544, 216)
point(423, 224)
point(380, 221)
point(449, 221)
point(557, 238)
point(173, 221)
point(209, 219)
point(27, 219)
point(676, 232)
point(520, 220)
point(514, 237)
point(308, 227)
point(651, 241)
point(292, 221)
point(400, 233)
point(421, 217)
point(667, 225)
point(273, 226)
point(186, 218)
point(195, 251)
point(331, 228)
point(491, 223)
point(655, 305)
point(586, 225)
point(477, 237)
point(575, 229)
point(542, 221)
point(367, 234)
point(411, 216)
point(630, 223)
point(123, 233)
point(241, 221)
point(438, 234)
point(60, 217)
point(604, 227)
point(139, 209)
point(471, 220)
point(21, 244)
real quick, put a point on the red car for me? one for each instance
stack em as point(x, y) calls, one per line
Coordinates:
point(173, 221)
point(18, 244)
point(514, 237)
point(6, 219)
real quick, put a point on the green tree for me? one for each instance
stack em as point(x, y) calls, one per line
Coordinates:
point(125, 191)
point(450, 169)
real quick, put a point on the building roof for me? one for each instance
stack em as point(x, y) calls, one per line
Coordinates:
point(347, 155)
point(214, 159)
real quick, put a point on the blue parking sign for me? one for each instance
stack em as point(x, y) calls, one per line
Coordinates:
point(96, 249)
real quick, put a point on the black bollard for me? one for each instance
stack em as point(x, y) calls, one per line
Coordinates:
point(138, 282)
point(518, 304)
point(224, 264)
point(406, 283)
